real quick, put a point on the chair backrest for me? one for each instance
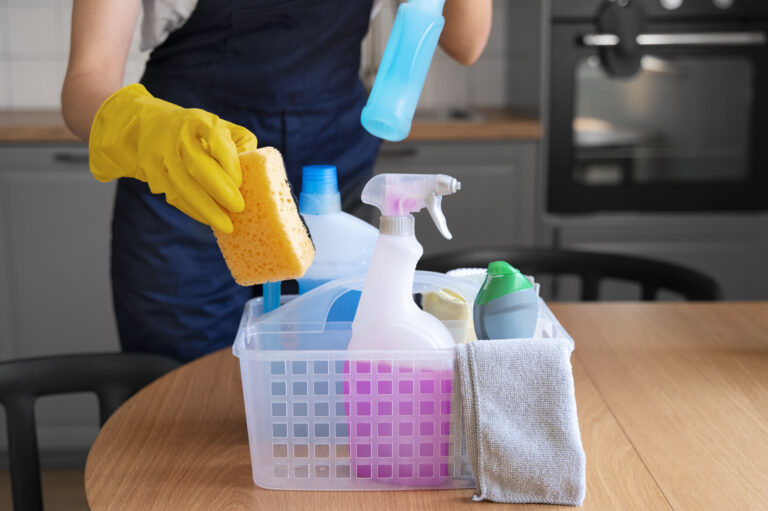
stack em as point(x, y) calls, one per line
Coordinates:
point(113, 377)
point(590, 267)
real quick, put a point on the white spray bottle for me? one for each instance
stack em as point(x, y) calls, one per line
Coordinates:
point(387, 317)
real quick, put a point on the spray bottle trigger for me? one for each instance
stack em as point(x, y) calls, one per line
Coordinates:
point(434, 206)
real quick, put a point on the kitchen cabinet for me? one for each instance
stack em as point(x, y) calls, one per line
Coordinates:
point(495, 205)
point(732, 249)
point(55, 292)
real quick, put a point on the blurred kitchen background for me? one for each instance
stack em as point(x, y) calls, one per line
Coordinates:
point(34, 47)
point(560, 138)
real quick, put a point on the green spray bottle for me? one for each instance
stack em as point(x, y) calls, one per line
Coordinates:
point(507, 306)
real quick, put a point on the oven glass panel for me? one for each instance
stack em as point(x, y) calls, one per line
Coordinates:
point(680, 119)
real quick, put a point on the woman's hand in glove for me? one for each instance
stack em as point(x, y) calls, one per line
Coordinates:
point(188, 154)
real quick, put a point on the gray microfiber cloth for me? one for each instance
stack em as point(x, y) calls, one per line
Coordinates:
point(519, 420)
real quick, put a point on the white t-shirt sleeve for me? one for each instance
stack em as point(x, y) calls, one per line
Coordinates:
point(376, 8)
point(161, 17)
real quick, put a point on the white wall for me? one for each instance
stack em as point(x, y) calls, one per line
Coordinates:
point(34, 47)
point(34, 43)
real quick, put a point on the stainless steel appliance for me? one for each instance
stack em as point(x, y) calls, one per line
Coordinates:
point(657, 105)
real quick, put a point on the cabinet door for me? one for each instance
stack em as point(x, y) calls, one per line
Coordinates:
point(729, 248)
point(495, 205)
point(55, 292)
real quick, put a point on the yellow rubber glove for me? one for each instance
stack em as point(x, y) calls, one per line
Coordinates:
point(188, 154)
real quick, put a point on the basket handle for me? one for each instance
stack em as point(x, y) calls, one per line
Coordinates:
point(316, 305)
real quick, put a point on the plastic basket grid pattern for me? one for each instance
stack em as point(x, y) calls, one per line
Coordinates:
point(377, 420)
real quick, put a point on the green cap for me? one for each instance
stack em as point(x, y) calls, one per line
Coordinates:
point(501, 279)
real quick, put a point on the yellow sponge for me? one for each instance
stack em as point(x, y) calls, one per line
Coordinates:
point(269, 241)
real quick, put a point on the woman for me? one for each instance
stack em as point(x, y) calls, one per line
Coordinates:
point(221, 74)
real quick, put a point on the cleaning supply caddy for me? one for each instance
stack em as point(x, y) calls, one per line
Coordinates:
point(300, 380)
point(387, 401)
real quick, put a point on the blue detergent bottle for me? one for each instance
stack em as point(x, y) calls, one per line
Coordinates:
point(343, 243)
point(403, 69)
point(507, 306)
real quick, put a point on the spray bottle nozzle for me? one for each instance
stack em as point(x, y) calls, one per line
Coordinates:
point(399, 195)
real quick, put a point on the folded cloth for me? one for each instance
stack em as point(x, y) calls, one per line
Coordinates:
point(519, 420)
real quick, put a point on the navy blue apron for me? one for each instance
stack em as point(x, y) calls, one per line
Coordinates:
point(288, 71)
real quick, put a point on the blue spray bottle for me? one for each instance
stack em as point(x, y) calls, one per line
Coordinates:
point(411, 46)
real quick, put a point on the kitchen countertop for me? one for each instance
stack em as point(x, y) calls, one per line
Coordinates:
point(48, 126)
point(34, 126)
point(474, 125)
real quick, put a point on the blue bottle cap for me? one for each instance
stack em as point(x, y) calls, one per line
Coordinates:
point(319, 190)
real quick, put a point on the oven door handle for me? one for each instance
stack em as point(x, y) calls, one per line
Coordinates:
point(681, 39)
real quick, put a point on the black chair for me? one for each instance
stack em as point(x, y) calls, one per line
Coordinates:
point(590, 267)
point(113, 377)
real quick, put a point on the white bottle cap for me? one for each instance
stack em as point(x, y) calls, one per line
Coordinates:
point(398, 225)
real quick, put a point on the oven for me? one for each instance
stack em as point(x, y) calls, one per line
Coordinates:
point(657, 105)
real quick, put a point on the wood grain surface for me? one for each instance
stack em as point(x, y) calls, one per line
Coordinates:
point(492, 126)
point(672, 402)
point(34, 126)
point(48, 126)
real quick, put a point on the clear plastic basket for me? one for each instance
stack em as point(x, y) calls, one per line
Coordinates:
point(321, 417)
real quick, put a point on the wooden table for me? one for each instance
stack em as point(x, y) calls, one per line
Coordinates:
point(672, 402)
